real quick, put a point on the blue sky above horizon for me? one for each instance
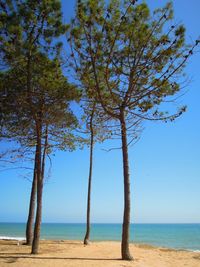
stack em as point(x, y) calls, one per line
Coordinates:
point(164, 164)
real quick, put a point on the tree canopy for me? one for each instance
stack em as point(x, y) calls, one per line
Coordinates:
point(128, 57)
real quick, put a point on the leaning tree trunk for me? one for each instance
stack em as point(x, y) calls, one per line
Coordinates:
point(29, 224)
point(127, 201)
point(87, 235)
point(40, 175)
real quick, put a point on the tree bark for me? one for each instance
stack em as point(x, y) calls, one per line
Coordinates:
point(29, 224)
point(40, 174)
point(127, 200)
point(35, 244)
point(44, 152)
point(87, 235)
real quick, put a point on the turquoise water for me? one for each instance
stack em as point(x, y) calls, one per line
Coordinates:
point(178, 236)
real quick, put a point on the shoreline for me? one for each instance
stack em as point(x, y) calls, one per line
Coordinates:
point(138, 244)
point(69, 253)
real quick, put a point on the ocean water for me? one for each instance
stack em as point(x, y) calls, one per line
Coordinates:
point(177, 236)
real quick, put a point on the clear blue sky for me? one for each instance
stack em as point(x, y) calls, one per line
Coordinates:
point(164, 164)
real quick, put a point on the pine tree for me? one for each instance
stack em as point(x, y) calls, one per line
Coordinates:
point(44, 120)
point(98, 131)
point(28, 29)
point(132, 61)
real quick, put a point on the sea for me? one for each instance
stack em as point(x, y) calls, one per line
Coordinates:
point(175, 236)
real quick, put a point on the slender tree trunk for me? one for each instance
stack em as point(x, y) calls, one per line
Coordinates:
point(29, 224)
point(127, 201)
point(44, 151)
point(36, 238)
point(87, 235)
point(40, 181)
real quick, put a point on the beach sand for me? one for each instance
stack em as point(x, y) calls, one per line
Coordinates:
point(98, 254)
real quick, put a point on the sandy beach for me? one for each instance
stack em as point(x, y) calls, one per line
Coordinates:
point(98, 254)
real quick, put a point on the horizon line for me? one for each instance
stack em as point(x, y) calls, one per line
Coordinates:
point(108, 222)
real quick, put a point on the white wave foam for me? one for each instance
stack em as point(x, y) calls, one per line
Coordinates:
point(12, 238)
point(192, 250)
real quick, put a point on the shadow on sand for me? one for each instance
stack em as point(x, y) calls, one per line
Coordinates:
point(16, 256)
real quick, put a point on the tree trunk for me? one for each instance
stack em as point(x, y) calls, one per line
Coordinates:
point(29, 224)
point(40, 174)
point(35, 244)
point(44, 152)
point(127, 201)
point(87, 235)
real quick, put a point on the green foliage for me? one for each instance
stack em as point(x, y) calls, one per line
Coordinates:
point(36, 90)
point(127, 58)
point(48, 102)
point(28, 26)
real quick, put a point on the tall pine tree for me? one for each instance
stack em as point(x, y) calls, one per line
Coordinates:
point(132, 61)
